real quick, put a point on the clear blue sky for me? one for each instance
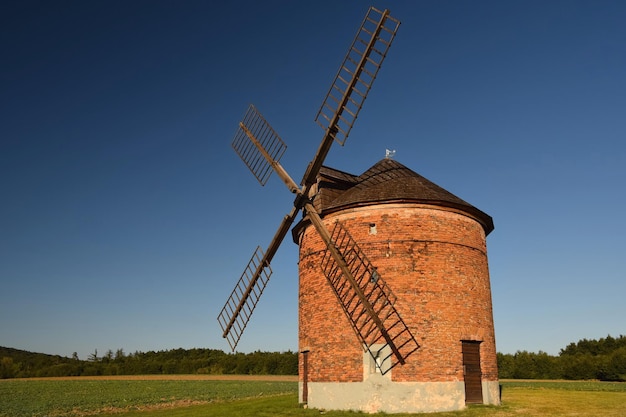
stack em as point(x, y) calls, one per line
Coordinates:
point(126, 218)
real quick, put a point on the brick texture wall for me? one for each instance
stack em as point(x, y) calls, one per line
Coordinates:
point(435, 261)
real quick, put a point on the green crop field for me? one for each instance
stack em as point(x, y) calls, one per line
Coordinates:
point(88, 396)
point(194, 397)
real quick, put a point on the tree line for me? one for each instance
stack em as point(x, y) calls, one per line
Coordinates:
point(603, 359)
point(21, 364)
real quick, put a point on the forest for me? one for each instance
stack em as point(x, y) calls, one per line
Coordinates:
point(603, 359)
point(22, 364)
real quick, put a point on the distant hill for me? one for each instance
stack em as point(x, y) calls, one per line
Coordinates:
point(15, 363)
point(20, 363)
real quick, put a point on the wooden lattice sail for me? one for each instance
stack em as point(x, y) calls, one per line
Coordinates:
point(362, 294)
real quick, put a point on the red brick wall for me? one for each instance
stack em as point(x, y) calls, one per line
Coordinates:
point(435, 262)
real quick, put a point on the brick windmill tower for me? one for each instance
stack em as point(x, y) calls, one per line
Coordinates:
point(430, 247)
point(395, 305)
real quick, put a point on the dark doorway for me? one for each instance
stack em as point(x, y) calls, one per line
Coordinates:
point(472, 373)
point(305, 376)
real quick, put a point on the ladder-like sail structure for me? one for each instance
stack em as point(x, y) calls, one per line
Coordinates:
point(368, 302)
point(357, 73)
point(239, 307)
point(364, 297)
point(255, 126)
point(353, 82)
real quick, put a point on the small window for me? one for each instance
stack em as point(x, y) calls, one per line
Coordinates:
point(373, 229)
point(377, 360)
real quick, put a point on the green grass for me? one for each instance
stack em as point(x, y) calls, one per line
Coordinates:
point(566, 385)
point(35, 398)
point(521, 399)
point(154, 398)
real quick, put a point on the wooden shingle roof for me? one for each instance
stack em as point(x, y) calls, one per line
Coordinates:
point(388, 181)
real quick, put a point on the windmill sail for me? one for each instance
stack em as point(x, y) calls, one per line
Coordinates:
point(352, 83)
point(260, 148)
point(238, 309)
point(379, 324)
point(366, 300)
point(357, 73)
point(253, 130)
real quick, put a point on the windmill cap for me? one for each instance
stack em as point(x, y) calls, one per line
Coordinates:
point(388, 181)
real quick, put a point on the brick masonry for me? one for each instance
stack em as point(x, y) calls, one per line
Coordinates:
point(435, 261)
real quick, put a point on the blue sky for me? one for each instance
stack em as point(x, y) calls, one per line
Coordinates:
point(126, 218)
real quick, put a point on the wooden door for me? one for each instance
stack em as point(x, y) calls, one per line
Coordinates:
point(472, 372)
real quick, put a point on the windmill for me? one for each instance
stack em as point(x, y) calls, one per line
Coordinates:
point(360, 236)
point(362, 294)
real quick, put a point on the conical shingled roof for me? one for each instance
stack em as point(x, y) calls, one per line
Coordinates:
point(386, 182)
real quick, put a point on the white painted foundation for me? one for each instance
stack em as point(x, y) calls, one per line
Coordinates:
point(491, 393)
point(378, 394)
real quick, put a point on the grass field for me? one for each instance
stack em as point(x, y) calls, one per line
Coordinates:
point(194, 396)
point(89, 396)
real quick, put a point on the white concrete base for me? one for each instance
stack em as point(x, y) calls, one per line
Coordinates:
point(491, 393)
point(379, 394)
